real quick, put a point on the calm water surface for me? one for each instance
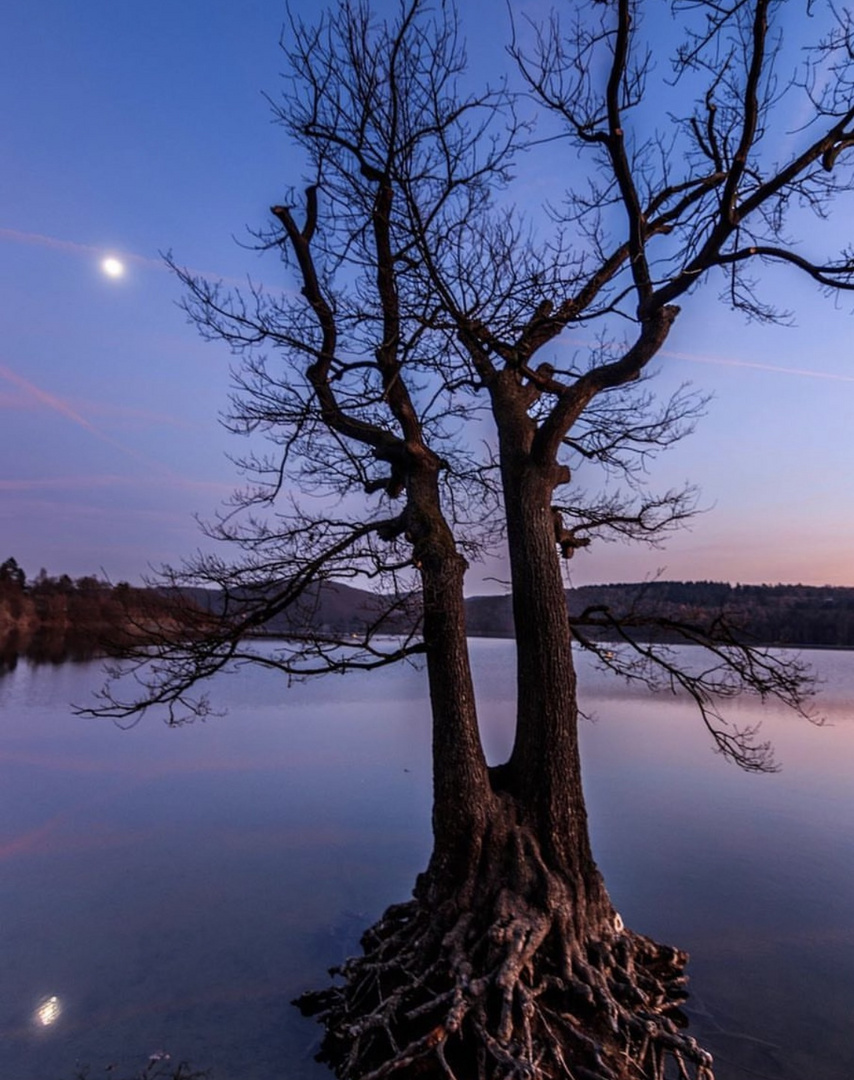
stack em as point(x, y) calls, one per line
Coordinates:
point(174, 889)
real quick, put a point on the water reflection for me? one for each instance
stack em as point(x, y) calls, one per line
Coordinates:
point(183, 886)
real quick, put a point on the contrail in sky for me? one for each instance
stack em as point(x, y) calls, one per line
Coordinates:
point(18, 237)
point(725, 361)
point(729, 362)
point(51, 401)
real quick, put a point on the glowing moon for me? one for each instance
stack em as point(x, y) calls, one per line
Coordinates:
point(112, 267)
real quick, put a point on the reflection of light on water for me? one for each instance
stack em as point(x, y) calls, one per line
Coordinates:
point(48, 1011)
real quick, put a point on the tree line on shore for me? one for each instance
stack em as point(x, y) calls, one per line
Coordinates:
point(786, 615)
point(52, 619)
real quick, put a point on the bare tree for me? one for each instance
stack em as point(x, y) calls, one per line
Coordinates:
point(426, 310)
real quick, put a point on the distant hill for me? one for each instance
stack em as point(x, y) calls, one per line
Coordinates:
point(57, 618)
point(791, 615)
point(329, 607)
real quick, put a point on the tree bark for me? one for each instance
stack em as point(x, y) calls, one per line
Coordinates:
point(544, 769)
point(462, 797)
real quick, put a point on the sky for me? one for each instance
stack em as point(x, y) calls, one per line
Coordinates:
point(135, 128)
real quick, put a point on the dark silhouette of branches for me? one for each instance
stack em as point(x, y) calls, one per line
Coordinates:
point(637, 644)
point(424, 299)
point(415, 409)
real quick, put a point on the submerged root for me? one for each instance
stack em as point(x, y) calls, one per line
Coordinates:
point(504, 991)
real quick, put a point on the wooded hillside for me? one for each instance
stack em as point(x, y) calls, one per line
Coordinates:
point(57, 618)
point(791, 615)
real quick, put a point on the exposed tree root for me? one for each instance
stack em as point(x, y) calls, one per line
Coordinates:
point(503, 988)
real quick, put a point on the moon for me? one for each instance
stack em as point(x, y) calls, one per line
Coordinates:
point(112, 267)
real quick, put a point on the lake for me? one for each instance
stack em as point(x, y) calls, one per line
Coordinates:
point(173, 890)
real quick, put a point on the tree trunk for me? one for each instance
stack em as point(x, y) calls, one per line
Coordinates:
point(544, 769)
point(462, 796)
point(510, 961)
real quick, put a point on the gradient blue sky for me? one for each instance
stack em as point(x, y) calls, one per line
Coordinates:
point(135, 127)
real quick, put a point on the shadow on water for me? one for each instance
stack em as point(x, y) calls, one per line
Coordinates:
point(46, 646)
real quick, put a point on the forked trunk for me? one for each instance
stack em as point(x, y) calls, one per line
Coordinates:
point(544, 770)
point(510, 961)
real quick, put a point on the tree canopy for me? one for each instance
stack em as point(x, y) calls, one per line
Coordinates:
point(419, 407)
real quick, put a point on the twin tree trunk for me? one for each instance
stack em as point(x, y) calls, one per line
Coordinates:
point(542, 779)
point(510, 962)
point(540, 785)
